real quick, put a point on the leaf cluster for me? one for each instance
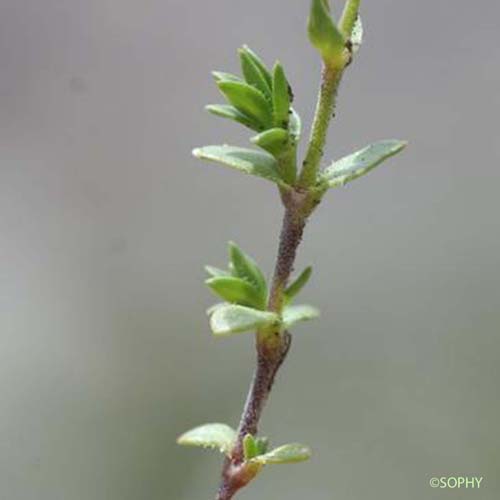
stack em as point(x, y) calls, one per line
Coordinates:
point(261, 100)
point(244, 289)
point(222, 437)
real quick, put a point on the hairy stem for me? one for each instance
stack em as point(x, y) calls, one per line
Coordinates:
point(349, 16)
point(291, 235)
point(273, 346)
point(324, 111)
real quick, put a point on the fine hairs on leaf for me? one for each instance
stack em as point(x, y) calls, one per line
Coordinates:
point(260, 99)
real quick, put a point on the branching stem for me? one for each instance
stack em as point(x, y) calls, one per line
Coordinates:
point(273, 346)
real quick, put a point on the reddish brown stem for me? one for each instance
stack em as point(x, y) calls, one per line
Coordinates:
point(272, 348)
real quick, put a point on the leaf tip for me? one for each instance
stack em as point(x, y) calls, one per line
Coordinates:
point(210, 281)
point(323, 32)
point(216, 75)
point(286, 454)
point(215, 436)
point(184, 439)
point(397, 146)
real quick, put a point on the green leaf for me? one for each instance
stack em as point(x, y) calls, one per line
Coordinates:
point(281, 97)
point(250, 448)
point(253, 73)
point(231, 113)
point(286, 454)
point(218, 436)
point(248, 161)
point(300, 282)
point(262, 445)
point(295, 125)
point(274, 140)
point(246, 268)
point(248, 100)
point(220, 76)
point(295, 314)
point(231, 319)
point(349, 17)
point(215, 272)
point(323, 33)
point(360, 163)
point(357, 35)
point(236, 291)
point(213, 308)
point(260, 64)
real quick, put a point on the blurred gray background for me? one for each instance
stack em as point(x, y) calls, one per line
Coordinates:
point(106, 222)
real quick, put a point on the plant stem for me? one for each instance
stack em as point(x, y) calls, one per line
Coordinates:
point(273, 346)
point(324, 110)
point(349, 16)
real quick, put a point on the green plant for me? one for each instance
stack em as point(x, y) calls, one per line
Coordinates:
point(262, 101)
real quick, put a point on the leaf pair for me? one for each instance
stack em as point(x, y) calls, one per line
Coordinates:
point(227, 319)
point(359, 163)
point(222, 437)
point(243, 284)
point(244, 289)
